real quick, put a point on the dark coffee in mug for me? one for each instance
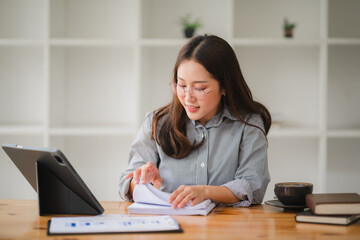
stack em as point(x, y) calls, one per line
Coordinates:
point(292, 193)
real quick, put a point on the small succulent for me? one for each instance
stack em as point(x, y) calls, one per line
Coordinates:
point(288, 25)
point(187, 22)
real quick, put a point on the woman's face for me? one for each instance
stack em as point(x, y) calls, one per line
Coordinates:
point(202, 101)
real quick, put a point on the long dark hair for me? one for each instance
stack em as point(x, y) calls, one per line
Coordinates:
point(219, 59)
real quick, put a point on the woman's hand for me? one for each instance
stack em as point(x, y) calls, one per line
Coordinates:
point(146, 173)
point(184, 194)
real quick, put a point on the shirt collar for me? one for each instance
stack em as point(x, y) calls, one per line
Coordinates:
point(216, 120)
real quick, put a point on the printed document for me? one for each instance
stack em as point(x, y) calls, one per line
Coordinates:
point(150, 200)
point(112, 224)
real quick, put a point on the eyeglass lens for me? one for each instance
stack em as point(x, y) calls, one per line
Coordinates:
point(181, 91)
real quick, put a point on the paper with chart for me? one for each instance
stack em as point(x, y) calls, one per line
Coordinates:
point(150, 200)
point(112, 224)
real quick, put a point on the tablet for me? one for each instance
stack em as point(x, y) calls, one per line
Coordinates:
point(60, 188)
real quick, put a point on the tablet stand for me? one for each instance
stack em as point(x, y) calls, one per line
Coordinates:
point(57, 198)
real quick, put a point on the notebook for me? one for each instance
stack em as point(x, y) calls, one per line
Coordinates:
point(150, 200)
point(309, 217)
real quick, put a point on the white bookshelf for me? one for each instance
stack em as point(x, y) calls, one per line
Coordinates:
point(80, 75)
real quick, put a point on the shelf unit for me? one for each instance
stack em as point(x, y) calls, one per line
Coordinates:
point(80, 76)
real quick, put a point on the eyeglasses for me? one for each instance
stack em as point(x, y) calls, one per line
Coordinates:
point(180, 91)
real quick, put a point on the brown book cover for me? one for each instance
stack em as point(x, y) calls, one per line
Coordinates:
point(334, 203)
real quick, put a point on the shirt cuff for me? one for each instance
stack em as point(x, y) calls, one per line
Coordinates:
point(242, 190)
point(124, 189)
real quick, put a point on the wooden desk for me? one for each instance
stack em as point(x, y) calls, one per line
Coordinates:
point(19, 220)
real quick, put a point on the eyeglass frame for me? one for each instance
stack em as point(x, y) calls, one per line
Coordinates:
point(173, 86)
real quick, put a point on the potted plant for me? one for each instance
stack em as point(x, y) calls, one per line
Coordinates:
point(288, 28)
point(189, 25)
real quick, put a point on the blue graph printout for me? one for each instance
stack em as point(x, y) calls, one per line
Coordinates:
point(112, 223)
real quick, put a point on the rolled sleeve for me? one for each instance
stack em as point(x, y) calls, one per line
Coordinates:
point(241, 189)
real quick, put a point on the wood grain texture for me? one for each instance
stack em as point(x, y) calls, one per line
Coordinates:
point(19, 219)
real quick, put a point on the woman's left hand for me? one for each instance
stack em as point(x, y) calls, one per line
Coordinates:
point(184, 194)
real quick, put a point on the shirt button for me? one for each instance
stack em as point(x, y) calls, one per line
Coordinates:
point(202, 165)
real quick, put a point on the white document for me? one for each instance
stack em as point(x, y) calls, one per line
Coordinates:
point(150, 200)
point(112, 224)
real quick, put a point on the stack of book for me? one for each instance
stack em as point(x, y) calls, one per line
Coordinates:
point(331, 208)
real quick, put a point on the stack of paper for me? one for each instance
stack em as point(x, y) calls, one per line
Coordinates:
point(150, 200)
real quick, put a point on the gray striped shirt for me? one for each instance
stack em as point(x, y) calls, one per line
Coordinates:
point(233, 155)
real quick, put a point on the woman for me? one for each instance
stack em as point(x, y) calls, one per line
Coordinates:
point(210, 141)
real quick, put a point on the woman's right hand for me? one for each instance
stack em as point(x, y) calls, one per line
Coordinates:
point(146, 173)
